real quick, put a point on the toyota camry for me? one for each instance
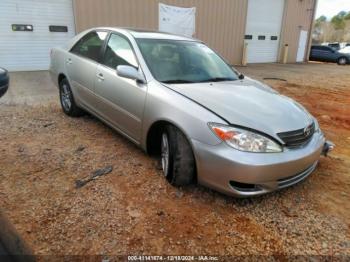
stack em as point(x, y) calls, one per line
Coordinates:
point(176, 98)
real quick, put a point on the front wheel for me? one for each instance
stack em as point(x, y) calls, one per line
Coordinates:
point(342, 61)
point(67, 100)
point(177, 157)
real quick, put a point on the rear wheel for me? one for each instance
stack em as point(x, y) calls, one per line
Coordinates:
point(177, 157)
point(342, 61)
point(67, 100)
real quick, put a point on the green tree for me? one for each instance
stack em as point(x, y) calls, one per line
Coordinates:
point(342, 14)
point(322, 18)
point(320, 21)
point(338, 21)
point(347, 16)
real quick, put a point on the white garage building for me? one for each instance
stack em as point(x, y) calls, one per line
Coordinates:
point(263, 30)
point(28, 32)
point(30, 28)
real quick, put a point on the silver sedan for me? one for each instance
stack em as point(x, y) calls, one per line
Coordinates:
point(176, 98)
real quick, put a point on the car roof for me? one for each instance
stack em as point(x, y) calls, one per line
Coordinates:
point(149, 34)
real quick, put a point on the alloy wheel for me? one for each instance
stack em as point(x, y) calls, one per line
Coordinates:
point(66, 97)
point(165, 153)
point(342, 61)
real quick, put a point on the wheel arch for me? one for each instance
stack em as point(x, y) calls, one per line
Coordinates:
point(343, 57)
point(61, 76)
point(153, 141)
point(153, 137)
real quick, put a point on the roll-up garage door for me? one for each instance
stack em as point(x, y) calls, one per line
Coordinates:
point(30, 28)
point(263, 30)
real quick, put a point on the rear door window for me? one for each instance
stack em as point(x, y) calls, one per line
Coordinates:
point(90, 45)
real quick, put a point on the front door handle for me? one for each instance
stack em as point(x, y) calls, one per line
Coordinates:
point(100, 77)
point(69, 61)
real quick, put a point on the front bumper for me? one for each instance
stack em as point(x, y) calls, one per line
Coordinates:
point(244, 174)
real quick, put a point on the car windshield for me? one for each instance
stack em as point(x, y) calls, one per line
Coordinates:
point(173, 61)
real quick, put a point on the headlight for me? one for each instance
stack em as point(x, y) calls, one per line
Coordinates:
point(244, 140)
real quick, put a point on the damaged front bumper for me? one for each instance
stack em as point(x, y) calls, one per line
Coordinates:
point(244, 174)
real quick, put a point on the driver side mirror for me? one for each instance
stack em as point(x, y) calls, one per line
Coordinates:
point(130, 73)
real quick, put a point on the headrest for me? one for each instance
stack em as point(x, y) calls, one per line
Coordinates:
point(166, 52)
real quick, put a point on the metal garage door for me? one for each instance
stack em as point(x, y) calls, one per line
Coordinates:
point(30, 28)
point(263, 30)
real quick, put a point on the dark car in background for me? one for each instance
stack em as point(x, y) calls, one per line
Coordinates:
point(4, 81)
point(328, 54)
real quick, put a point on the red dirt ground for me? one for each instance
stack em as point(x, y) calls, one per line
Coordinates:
point(134, 211)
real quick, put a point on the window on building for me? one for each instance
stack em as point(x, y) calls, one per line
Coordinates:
point(58, 28)
point(261, 37)
point(119, 52)
point(90, 45)
point(274, 38)
point(23, 28)
point(248, 37)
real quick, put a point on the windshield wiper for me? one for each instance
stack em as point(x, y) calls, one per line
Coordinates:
point(218, 79)
point(177, 81)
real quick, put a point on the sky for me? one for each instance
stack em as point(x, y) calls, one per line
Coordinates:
point(329, 8)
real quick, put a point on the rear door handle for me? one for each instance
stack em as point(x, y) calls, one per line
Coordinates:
point(100, 77)
point(69, 61)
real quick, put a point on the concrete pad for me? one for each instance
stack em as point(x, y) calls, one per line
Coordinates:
point(30, 88)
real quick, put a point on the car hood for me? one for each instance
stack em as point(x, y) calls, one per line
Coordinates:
point(248, 103)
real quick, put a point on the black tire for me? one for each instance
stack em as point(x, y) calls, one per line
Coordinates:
point(181, 164)
point(342, 61)
point(66, 96)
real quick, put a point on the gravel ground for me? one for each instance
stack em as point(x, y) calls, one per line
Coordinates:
point(132, 210)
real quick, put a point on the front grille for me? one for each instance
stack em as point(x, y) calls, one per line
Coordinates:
point(298, 137)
